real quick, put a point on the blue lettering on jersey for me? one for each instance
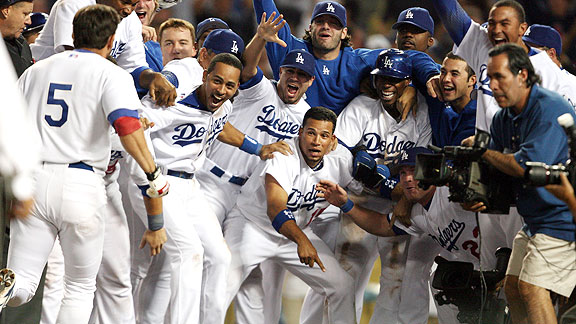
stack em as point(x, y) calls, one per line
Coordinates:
point(380, 148)
point(274, 127)
point(485, 81)
point(298, 200)
point(448, 236)
point(188, 134)
point(216, 128)
point(117, 49)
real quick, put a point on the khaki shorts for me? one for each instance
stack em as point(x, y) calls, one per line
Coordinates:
point(544, 261)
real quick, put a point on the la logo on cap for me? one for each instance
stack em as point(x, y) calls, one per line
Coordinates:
point(387, 63)
point(404, 156)
point(409, 15)
point(299, 59)
point(330, 7)
point(211, 19)
point(234, 48)
point(527, 31)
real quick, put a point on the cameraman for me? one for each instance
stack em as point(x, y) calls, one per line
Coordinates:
point(526, 129)
point(448, 224)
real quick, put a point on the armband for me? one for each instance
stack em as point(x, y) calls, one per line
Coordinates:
point(155, 222)
point(250, 145)
point(347, 207)
point(281, 218)
point(127, 125)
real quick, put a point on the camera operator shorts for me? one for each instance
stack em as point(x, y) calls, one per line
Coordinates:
point(544, 261)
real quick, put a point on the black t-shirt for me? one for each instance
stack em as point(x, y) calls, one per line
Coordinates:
point(19, 53)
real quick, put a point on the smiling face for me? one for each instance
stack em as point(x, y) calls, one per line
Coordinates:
point(504, 26)
point(389, 89)
point(146, 10)
point(316, 138)
point(293, 83)
point(455, 81)
point(326, 33)
point(17, 16)
point(410, 37)
point(219, 85)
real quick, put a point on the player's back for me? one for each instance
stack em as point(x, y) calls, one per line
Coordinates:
point(72, 97)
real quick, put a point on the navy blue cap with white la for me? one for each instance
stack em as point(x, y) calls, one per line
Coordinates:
point(418, 17)
point(330, 8)
point(210, 24)
point(408, 158)
point(38, 20)
point(542, 35)
point(393, 63)
point(300, 59)
point(224, 41)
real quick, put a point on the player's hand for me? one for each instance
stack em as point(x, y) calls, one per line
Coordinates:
point(332, 192)
point(474, 206)
point(155, 239)
point(280, 146)
point(563, 191)
point(268, 29)
point(434, 88)
point(162, 91)
point(468, 141)
point(20, 208)
point(402, 211)
point(149, 34)
point(159, 186)
point(408, 102)
point(146, 123)
point(308, 255)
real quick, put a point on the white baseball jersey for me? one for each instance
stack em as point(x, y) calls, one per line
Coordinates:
point(474, 49)
point(450, 226)
point(262, 115)
point(185, 74)
point(365, 122)
point(128, 47)
point(183, 132)
point(299, 181)
point(85, 89)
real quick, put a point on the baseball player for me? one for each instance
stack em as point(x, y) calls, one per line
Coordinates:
point(268, 112)
point(452, 228)
point(277, 204)
point(70, 190)
point(176, 40)
point(31, 32)
point(378, 124)
point(205, 27)
point(128, 46)
point(181, 136)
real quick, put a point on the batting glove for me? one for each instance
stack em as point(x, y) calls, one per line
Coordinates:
point(159, 186)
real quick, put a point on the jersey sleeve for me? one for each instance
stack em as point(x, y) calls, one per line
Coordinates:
point(133, 58)
point(154, 114)
point(352, 121)
point(255, 89)
point(281, 168)
point(553, 78)
point(119, 97)
point(455, 19)
point(63, 17)
point(474, 47)
point(423, 124)
point(401, 229)
point(423, 66)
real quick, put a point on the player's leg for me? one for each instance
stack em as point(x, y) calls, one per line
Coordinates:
point(220, 195)
point(414, 296)
point(154, 294)
point(81, 233)
point(335, 284)
point(393, 260)
point(518, 311)
point(53, 285)
point(113, 298)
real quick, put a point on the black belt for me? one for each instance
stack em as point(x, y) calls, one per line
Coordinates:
point(180, 174)
point(233, 179)
point(81, 165)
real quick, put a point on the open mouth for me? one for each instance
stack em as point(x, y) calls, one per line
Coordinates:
point(292, 90)
point(216, 101)
point(448, 89)
point(499, 40)
point(408, 44)
point(141, 15)
point(387, 95)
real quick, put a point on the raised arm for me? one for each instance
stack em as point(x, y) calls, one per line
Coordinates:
point(267, 32)
point(284, 222)
point(455, 19)
point(371, 221)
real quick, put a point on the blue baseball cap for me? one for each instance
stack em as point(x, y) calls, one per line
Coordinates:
point(299, 59)
point(418, 17)
point(210, 23)
point(330, 8)
point(408, 158)
point(542, 35)
point(393, 63)
point(38, 21)
point(224, 41)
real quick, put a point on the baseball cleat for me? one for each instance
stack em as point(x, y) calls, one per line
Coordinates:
point(7, 280)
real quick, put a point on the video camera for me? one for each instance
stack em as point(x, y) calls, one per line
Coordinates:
point(468, 177)
point(459, 284)
point(540, 174)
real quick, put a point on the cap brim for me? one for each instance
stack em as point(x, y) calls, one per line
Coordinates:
point(330, 14)
point(297, 67)
point(395, 169)
point(396, 25)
